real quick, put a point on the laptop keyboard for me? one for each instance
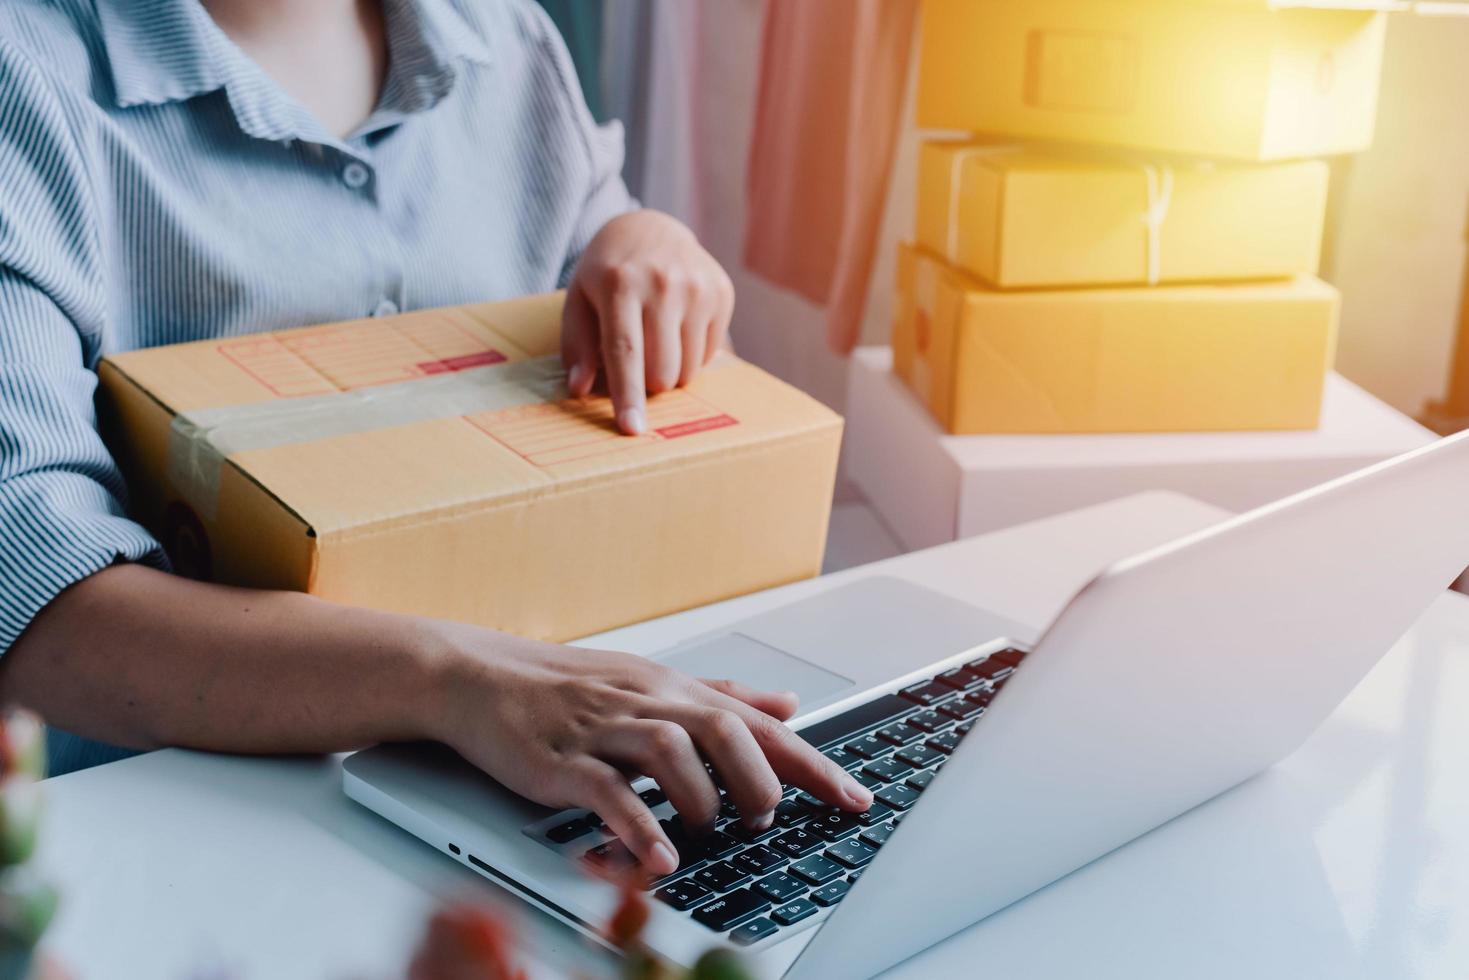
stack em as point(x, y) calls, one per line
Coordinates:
point(752, 884)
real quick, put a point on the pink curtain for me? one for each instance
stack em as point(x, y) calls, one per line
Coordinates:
point(827, 118)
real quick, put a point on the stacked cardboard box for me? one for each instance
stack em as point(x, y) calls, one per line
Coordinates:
point(1131, 242)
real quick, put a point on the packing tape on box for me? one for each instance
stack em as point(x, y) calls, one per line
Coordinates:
point(201, 441)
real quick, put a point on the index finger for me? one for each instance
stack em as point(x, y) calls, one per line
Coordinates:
point(621, 322)
point(794, 759)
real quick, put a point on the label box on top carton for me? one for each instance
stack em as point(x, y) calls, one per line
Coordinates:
point(1028, 217)
point(433, 463)
point(1243, 79)
point(1250, 356)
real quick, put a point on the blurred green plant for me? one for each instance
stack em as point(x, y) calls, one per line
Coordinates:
point(27, 903)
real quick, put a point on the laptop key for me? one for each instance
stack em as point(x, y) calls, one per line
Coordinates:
point(613, 856)
point(683, 895)
point(690, 849)
point(871, 782)
point(888, 770)
point(961, 709)
point(874, 814)
point(731, 910)
point(1009, 656)
point(851, 853)
point(989, 668)
point(900, 734)
point(919, 781)
point(877, 712)
point(960, 679)
point(919, 756)
point(569, 831)
point(831, 894)
point(855, 875)
point(981, 698)
point(653, 797)
point(834, 825)
point(793, 912)
point(753, 931)
point(721, 877)
point(868, 747)
point(898, 797)
point(792, 811)
point(817, 870)
point(796, 842)
point(843, 758)
point(876, 836)
point(717, 845)
point(928, 693)
point(945, 742)
point(928, 721)
point(750, 835)
point(781, 887)
point(759, 859)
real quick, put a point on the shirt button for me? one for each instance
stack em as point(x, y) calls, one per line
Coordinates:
point(385, 307)
point(355, 175)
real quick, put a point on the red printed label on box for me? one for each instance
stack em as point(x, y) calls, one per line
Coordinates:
point(359, 355)
point(549, 433)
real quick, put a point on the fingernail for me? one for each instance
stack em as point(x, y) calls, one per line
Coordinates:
point(576, 376)
point(665, 854)
point(631, 420)
point(859, 794)
point(763, 821)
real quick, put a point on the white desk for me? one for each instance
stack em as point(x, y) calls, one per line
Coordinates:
point(1351, 859)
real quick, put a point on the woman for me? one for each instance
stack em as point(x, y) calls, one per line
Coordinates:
point(198, 168)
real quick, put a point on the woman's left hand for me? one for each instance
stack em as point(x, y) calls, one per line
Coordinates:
point(647, 307)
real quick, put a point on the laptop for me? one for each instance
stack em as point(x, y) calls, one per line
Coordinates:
point(998, 769)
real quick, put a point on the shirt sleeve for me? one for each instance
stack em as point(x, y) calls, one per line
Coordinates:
point(61, 494)
point(606, 195)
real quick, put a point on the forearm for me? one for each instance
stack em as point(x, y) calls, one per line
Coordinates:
point(141, 658)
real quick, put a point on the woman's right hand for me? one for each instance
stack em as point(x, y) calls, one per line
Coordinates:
point(568, 727)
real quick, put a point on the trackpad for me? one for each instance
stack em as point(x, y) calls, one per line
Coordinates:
point(751, 662)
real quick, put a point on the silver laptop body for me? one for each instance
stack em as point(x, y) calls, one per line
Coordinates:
point(1171, 677)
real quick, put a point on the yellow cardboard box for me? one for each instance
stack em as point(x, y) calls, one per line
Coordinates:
point(1036, 217)
point(1243, 79)
point(432, 463)
point(1161, 359)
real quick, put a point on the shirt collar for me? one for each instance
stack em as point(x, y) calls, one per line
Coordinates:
point(171, 50)
point(159, 52)
point(429, 41)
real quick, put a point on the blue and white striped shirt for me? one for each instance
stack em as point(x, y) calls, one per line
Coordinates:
point(156, 187)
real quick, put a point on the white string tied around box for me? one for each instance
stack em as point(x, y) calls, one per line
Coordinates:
point(1160, 198)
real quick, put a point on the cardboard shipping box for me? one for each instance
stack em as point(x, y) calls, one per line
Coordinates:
point(930, 487)
point(1149, 359)
point(1242, 79)
point(1028, 217)
point(432, 463)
